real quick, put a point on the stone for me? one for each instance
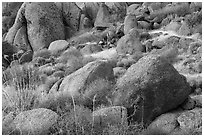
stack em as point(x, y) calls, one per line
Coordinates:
point(129, 23)
point(58, 73)
point(6, 123)
point(21, 39)
point(90, 48)
point(35, 121)
point(9, 12)
point(115, 115)
point(71, 13)
point(144, 25)
point(190, 120)
point(149, 88)
point(26, 57)
point(164, 124)
point(44, 25)
point(132, 9)
point(91, 82)
point(184, 29)
point(130, 43)
point(198, 100)
point(184, 43)
point(91, 9)
point(172, 26)
point(188, 104)
point(58, 46)
point(103, 18)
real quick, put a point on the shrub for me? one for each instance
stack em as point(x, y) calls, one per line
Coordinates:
point(44, 53)
point(20, 83)
point(69, 54)
point(74, 120)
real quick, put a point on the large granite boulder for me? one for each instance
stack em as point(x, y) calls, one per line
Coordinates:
point(34, 122)
point(149, 88)
point(44, 24)
point(103, 17)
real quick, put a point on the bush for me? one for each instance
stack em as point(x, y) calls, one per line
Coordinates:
point(74, 120)
point(20, 83)
point(44, 53)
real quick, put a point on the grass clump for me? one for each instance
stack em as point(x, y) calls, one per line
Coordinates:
point(19, 88)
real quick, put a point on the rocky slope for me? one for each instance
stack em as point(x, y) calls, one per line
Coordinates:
point(102, 67)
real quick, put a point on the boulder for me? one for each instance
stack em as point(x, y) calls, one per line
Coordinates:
point(91, 9)
point(87, 86)
point(10, 8)
point(129, 23)
point(44, 24)
point(116, 115)
point(184, 29)
point(34, 122)
point(132, 9)
point(21, 39)
point(198, 100)
point(130, 43)
point(190, 120)
point(103, 18)
point(58, 46)
point(164, 124)
point(26, 57)
point(9, 12)
point(71, 13)
point(149, 88)
point(6, 123)
point(172, 26)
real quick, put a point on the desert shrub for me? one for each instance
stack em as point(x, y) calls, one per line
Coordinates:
point(73, 64)
point(18, 100)
point(49, 83)
point(44, 53)
point(74, 120)
point(69, 54)
point(98, 93)
point(20, 83)
point(22, 76)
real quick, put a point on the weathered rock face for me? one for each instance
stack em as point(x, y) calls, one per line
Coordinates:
point(103, 17)
point(44, 25)
point(190, 120)
point(149, 88)
point(71, 13)
point(91, 9)
point(132, 9)
point(21, 39)
point(9, 11)
point(35, 122)
point(129, 23)
point(164, 124)
point(129, 43)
